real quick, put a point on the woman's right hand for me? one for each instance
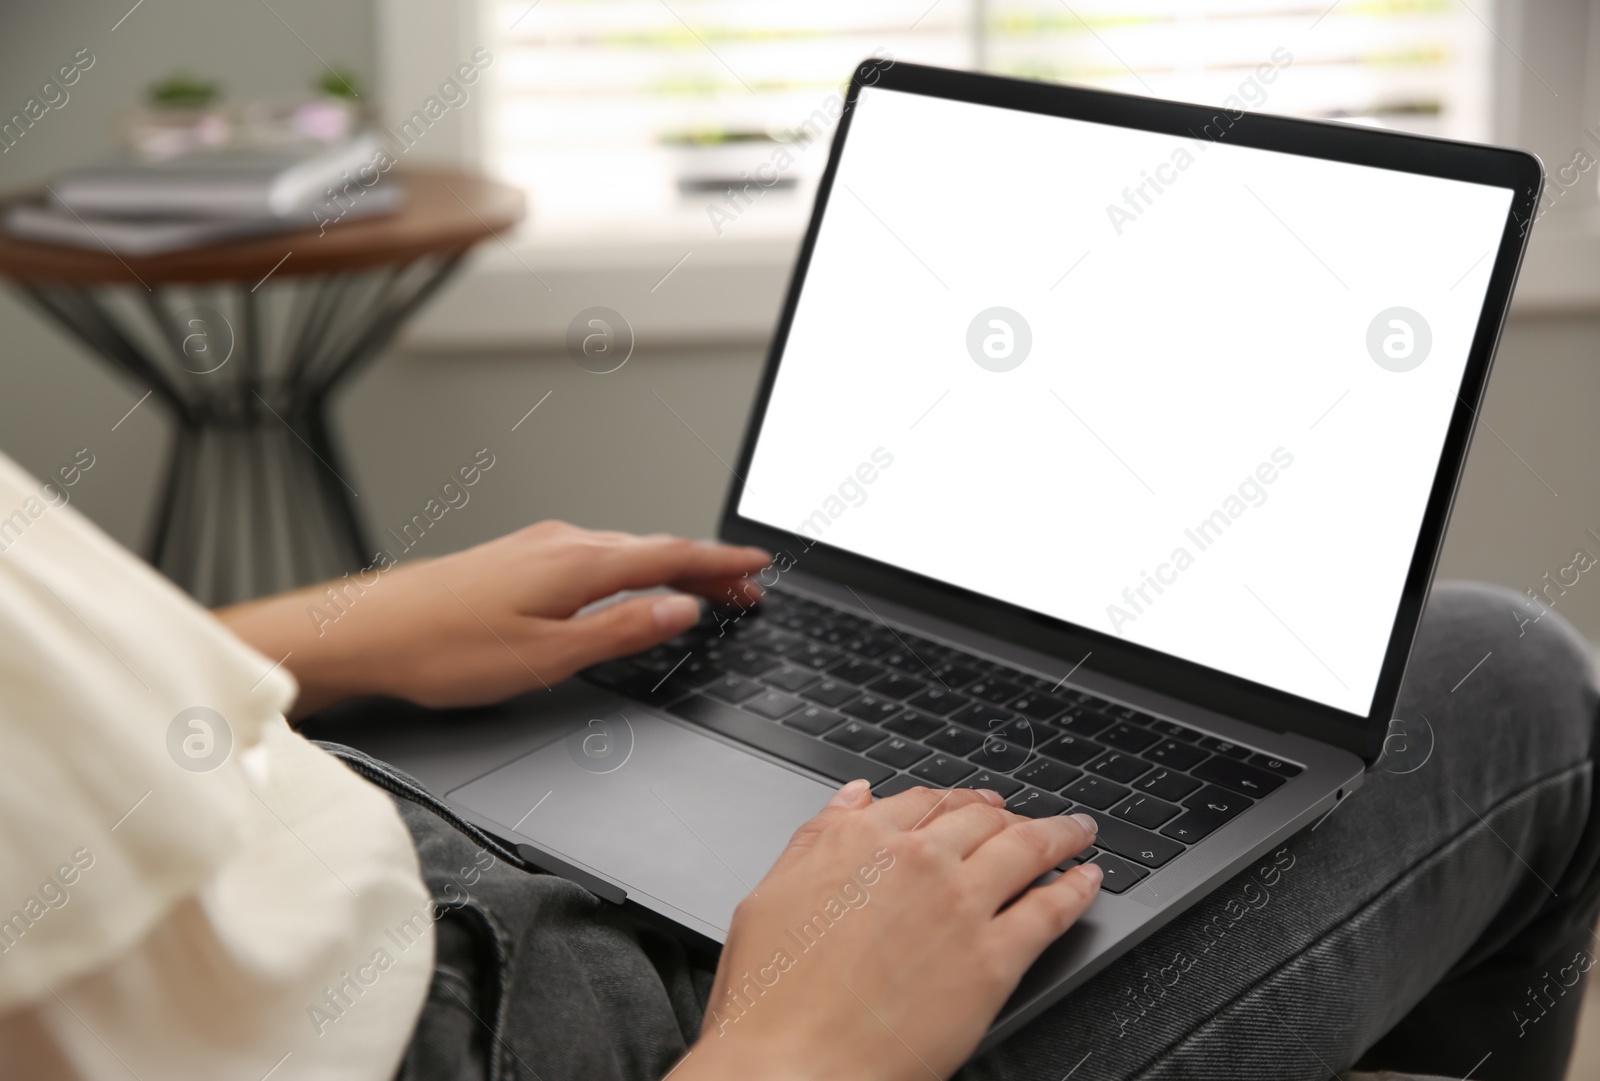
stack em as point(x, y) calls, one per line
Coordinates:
point(887, 936)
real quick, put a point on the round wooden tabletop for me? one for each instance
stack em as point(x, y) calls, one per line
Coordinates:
point(444, 211)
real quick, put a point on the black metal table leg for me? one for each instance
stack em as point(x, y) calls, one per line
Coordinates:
point(256, 496)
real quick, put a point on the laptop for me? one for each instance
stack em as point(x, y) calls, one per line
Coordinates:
point(1105, 446)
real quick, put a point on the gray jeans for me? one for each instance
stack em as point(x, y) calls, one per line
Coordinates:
point(1438, 921)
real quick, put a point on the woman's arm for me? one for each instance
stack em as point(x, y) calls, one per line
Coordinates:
point(887, 935)
point(489, 622)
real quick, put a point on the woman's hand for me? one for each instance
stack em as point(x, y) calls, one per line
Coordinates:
point(887, 937)
point(489, 622)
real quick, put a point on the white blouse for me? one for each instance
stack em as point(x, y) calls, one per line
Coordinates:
point(188, 889)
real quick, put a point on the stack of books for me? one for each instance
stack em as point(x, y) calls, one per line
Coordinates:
point(147, 208)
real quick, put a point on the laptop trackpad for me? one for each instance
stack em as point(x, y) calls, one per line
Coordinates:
point(683, 818)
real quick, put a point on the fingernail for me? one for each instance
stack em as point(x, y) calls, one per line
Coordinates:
point(1092, 872)
point(992, 796)
point(848, 793)
point(1086, 822)
point(676, 613)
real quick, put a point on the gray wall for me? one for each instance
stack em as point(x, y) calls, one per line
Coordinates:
point(602, 450)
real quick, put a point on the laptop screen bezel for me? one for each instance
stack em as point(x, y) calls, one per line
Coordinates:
point(1206, 687)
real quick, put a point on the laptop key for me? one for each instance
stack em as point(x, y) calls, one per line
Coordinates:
point(1010, 675)
point(913, 724)
point(659, 660)
point(790, 679)
point(1222, 746)
point(751, 633)
point(1171, 753)
point(937, 700)
point(1217, 801)
point(853, 671)
point(1166, 784)
point(1195, 826)
point(1145, 811)
point(813, 720)
point(732, 688)
point(994, 691)
point(666, 690)
point(1274, 765)
point(1097, 792)
point(1036, 804)
point(1083, 722)
point(955, 740)
point(870, 646)
point(696, 672)
point(999, 782)
point(855, 736)
point(899, 753)
point(896, 685)
point(833, 762)
point(956, 675)
point(783, 644)
point(819, 628)
point(1048, 774)
point(1176, 731)
point(748, 662)
point(1071, 750)
point(942, 771)
point(872, 708)
point(1236, 775)
point(998, 755)
point(1040, 707)
point(1126, 737)
point(1119, 874)
point(830, 692)
point(1139, 845)
point(813, 655)
point(1118, 767)
point(981, 717)
point(1022, 732)
point(773, 704)
point(903, 659)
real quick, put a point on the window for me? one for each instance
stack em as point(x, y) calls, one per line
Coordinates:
point(639, 113)
point(622, 117)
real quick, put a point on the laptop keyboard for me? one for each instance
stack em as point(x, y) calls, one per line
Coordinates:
point(848, 696)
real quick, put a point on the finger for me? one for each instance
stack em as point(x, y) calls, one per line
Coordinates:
point(646, 562)
point(741, 591)
point(1042, 915)
point(629, 626)
point(968, 827)
point(917, 806)
point(1014, 857)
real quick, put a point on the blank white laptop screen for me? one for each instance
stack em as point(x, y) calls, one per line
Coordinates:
point(1187, 393)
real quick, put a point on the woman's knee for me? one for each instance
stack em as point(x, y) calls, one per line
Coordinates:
point(1486, 656)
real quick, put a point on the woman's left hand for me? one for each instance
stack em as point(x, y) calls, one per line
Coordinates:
point(493, 621)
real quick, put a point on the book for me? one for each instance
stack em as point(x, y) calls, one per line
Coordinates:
point(42, 220)
point(256, 183)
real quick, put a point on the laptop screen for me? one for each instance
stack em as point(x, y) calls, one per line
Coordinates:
point(1186, 393)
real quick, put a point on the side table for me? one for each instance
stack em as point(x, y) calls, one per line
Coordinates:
point(244, 342)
